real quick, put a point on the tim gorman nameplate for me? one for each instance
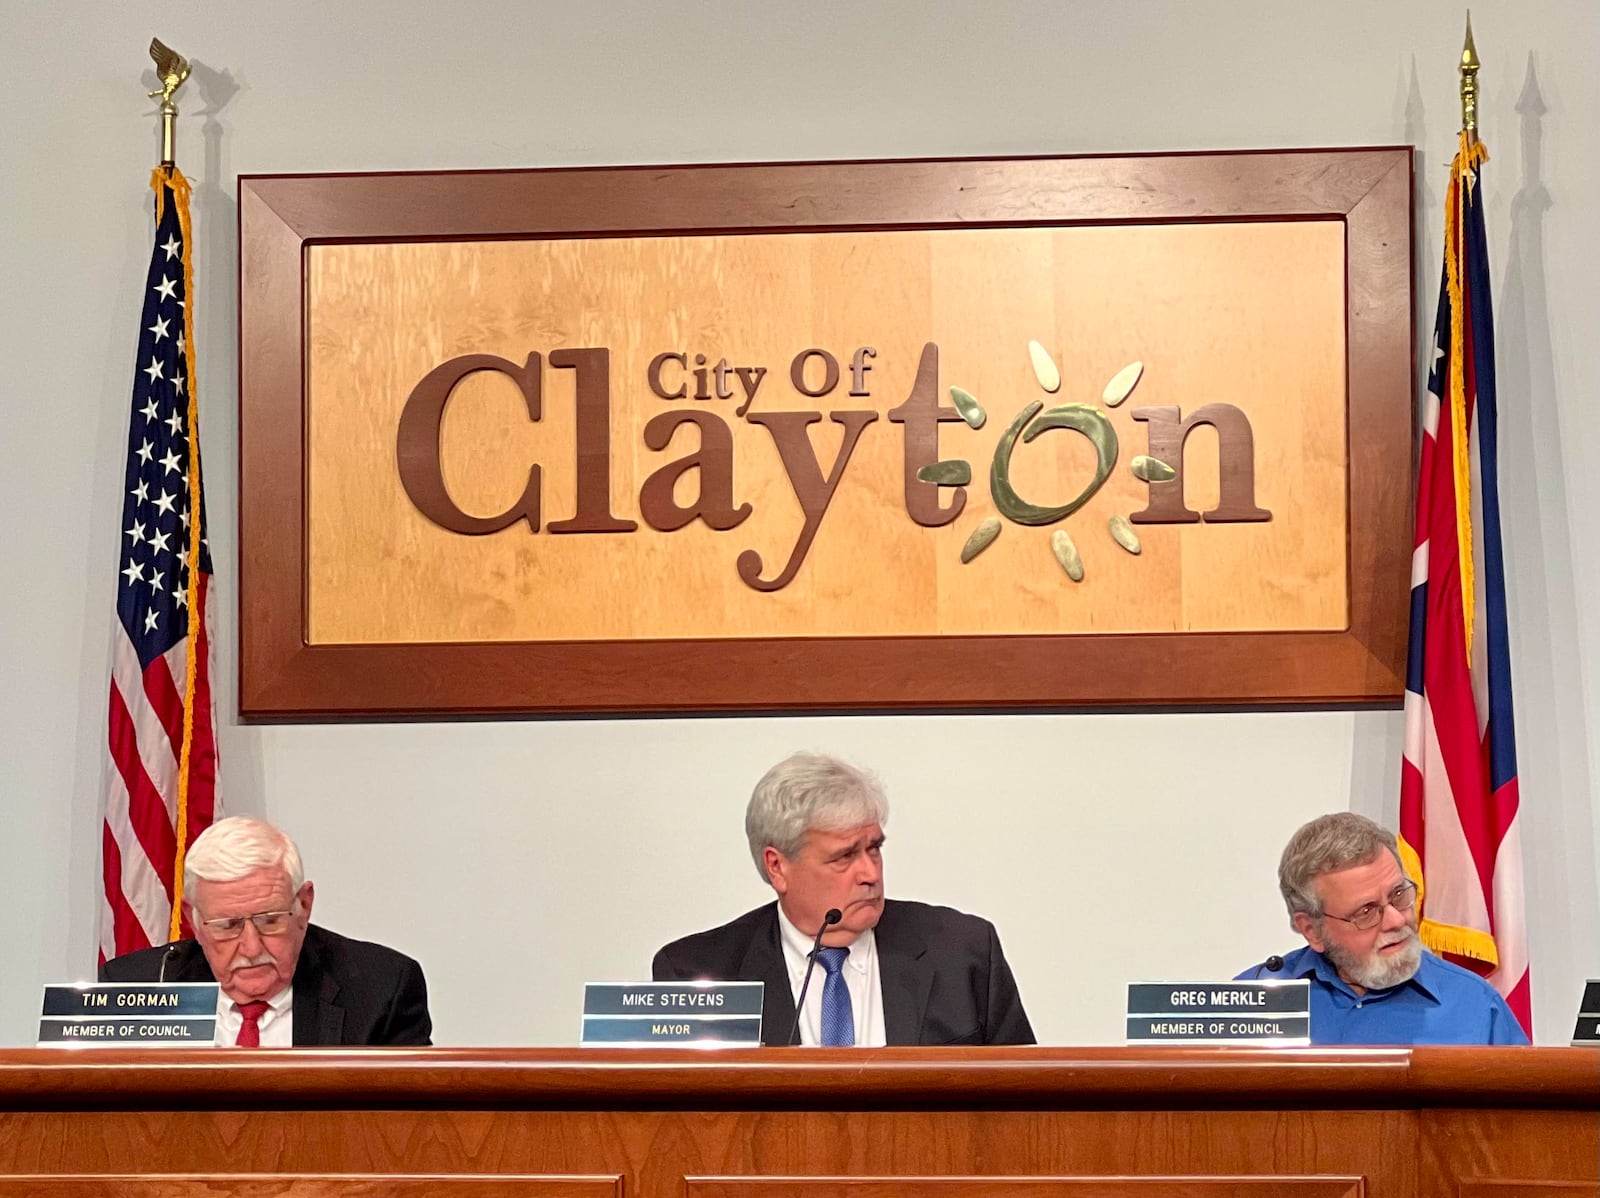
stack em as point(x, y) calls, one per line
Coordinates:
point(1276, 1013)
point(129, 1014)
point(665, 1014)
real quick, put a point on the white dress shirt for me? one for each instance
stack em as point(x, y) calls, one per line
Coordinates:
point(860, 973)
point(276, 1023)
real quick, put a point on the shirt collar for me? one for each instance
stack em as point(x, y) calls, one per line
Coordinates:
point(279, 1002)
point(797, 945)
point(1425, 979)
point(1427, 976)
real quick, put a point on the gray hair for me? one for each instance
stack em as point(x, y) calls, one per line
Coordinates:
point(233, 847)
point(807, 791)
point(1325, 845)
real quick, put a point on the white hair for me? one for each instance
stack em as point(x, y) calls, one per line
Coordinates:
point(234, 847)
point(809, 791)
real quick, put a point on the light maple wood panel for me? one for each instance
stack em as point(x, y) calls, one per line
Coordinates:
point(1248, 313)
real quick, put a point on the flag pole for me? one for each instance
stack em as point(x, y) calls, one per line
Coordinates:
point(1469, 85)
point(173, 69)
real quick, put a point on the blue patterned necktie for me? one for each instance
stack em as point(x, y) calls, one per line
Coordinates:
point(838, 1018)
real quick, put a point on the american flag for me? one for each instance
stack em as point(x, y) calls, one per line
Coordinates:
point(162, 766)
point(1459, 830)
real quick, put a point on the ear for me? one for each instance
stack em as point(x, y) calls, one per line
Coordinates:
point(777, 867)
point(305, 897)
point(1311, 928)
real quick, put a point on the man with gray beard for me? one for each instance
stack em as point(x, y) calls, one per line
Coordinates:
point(1372, 981)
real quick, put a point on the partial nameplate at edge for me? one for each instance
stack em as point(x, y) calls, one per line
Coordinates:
point(1586, 1032)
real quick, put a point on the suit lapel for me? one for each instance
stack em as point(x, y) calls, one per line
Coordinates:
point(318, 1019)
point(907, 977)
point(763, 962)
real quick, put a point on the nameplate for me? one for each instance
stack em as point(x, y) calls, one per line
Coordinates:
point(129, 1015)
point(1587, 1032)
point(1274, 1013)
point(672, 1014)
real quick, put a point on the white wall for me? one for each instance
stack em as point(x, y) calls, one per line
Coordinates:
point(519, 859)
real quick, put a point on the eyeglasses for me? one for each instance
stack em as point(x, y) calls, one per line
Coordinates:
point(268, 923)
point(1401, 898)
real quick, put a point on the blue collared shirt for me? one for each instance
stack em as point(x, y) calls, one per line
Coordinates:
point(1442, 1004)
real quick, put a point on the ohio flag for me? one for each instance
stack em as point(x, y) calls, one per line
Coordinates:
point(1459, 828)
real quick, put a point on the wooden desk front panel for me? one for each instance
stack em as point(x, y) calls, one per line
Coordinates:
point(732, 1154)
point(1511, 1154)
point(305, 1185)
point(972, 1123)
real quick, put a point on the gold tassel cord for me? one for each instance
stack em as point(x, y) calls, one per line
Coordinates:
point(1444, 937)
point(1469, 157)
point(1411, 866)
point(1459, 942)
point(161, 178)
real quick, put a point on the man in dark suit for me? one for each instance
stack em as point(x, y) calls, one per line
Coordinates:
point(284, 982)
point(887, 972)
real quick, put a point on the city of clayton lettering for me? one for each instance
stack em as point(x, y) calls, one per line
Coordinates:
point(671, 377)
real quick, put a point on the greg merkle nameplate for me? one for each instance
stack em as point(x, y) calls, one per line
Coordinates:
point(962, 434)
point(1272, 1013)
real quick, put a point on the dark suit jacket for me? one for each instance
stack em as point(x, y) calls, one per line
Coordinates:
point(945, 980)
point(346, 992)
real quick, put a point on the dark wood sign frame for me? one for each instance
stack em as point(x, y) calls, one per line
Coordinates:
point(281, 676)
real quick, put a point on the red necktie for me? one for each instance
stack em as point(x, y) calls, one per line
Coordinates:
point(250, 1029)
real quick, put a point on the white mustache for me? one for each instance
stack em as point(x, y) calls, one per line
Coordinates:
point(258, 959)
point(1404, 936)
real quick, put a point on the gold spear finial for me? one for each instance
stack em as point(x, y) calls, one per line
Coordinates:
point(172, 69)
point(1469, 84)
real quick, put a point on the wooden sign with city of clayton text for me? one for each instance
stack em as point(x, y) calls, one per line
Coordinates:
point(709, 438)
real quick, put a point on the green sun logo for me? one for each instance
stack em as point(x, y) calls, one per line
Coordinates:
point(1034, 419)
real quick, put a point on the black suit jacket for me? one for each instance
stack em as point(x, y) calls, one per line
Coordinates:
point(945, 980)
point(346, 992)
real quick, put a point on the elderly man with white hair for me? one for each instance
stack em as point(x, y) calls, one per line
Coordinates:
point(1372, 981)
point(284, 981)
point(891, 972)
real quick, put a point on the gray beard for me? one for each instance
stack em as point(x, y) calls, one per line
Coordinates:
point(1373, 972)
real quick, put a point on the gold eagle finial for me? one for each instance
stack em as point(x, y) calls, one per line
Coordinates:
point(1469, 84)
point(171, 67)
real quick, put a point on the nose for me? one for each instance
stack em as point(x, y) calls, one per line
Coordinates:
point(870, 872)
point(1393, 918)
point(250, 942)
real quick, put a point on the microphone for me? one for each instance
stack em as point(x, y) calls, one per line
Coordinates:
point(833, 916)
point(1272, 964)
point(166, 959)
